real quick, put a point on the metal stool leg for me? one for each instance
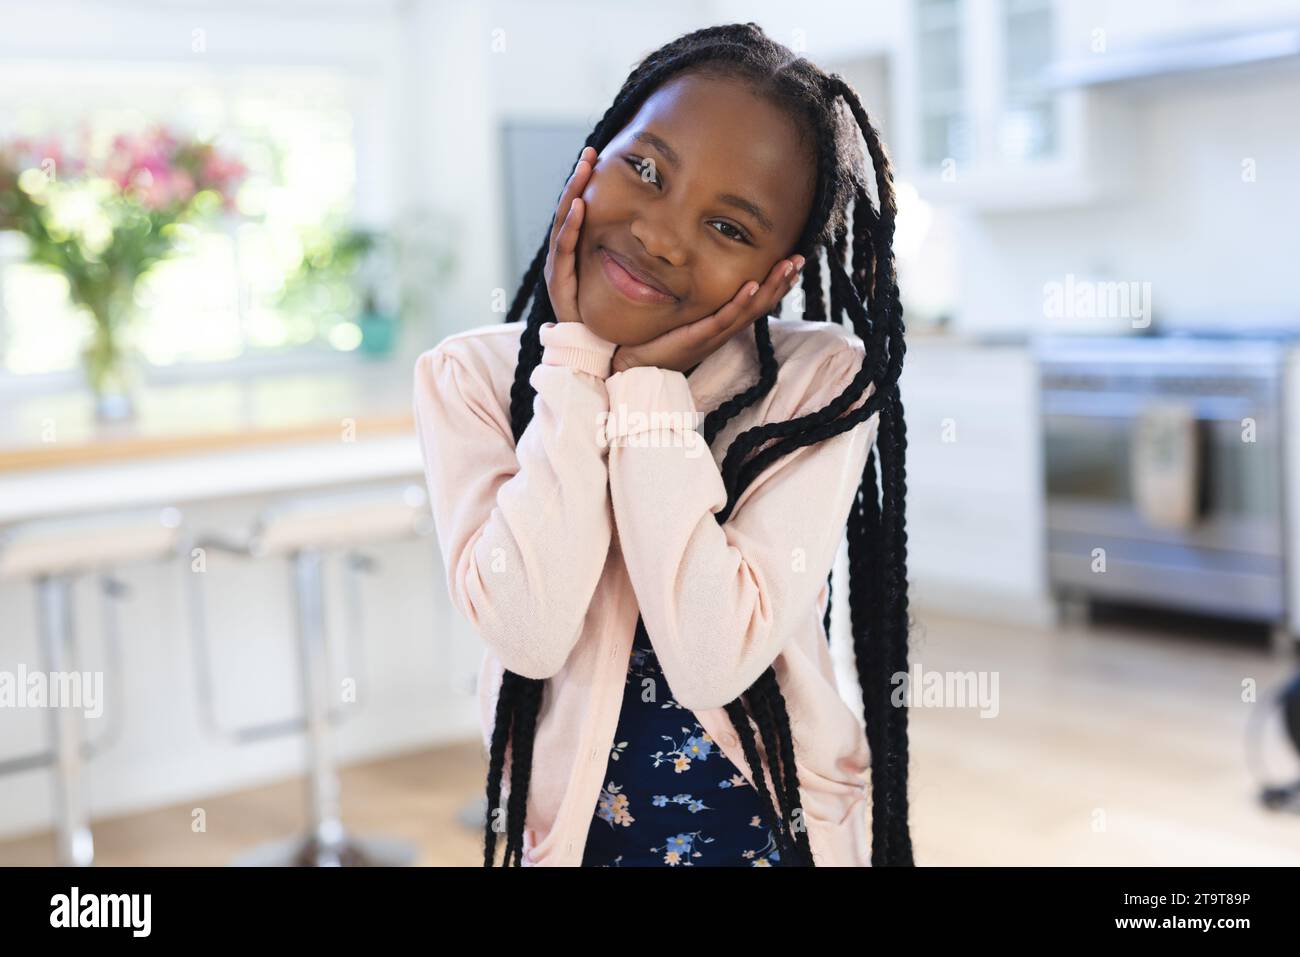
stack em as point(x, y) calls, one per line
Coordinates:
point(323, 779)
point(76, 846)
point(328, 844)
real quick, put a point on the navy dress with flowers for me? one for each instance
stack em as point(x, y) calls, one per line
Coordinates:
point(671, 797)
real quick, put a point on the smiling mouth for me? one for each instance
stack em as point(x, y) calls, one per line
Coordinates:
point(628, 283)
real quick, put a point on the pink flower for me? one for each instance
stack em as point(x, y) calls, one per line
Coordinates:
point(221, 172)
point(156, 168)
point(165, 189)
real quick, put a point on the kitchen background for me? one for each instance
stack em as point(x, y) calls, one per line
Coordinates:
point(228, 229)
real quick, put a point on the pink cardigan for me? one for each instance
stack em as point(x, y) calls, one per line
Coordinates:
point(608, 507)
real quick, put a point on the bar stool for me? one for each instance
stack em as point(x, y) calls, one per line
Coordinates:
point(54, 554)
point(303, 531)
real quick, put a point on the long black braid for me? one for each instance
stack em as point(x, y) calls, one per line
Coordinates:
point(866, 292)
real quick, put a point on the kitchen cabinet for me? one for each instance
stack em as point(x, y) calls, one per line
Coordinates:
point(974, 488)
point(1153, 22)
point(983, 127)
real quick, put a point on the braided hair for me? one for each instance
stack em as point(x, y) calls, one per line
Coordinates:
point(867, 293)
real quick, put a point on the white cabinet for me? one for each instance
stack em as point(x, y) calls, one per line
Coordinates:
point(983, 126)
point(974, 487)
point(1125, 24)
point(1121, 43)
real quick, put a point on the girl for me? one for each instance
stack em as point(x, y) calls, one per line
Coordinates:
point(657, 687)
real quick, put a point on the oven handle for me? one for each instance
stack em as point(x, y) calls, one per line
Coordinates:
point(1096, 405)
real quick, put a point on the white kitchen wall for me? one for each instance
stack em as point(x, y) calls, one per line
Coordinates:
point(823, 32)
point(1216, 249)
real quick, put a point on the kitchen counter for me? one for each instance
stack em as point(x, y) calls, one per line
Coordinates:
point(204, 441)
point(178, 479)
point(58, 430)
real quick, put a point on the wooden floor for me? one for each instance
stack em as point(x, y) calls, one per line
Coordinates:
point(1113, 744)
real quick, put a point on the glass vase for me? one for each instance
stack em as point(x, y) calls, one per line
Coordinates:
point(107, 365)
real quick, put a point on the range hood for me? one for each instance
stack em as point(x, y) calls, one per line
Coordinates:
point(1184, 55)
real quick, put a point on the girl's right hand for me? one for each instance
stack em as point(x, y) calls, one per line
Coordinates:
point(561, 262)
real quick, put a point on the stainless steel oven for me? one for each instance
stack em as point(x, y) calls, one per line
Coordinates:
point(1229, 558)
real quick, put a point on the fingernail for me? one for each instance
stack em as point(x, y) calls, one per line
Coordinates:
point(789, 267)
point(753, 289)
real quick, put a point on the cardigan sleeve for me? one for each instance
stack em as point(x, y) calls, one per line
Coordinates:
point(524, 531)
point(721, 601)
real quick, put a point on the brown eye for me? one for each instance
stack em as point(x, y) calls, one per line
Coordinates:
point(739, 235)
point(640, 165)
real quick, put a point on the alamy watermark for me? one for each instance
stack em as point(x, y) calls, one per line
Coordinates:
point(947, 689)
point(658, 429)
point(1087, 299)
point(131, 912)
point(53, 689)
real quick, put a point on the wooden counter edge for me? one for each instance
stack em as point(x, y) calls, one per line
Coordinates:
point(100, 451)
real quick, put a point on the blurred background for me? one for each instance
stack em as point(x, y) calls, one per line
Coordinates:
point(228, 229)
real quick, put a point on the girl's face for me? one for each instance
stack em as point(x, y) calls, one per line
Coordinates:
point(705, 189)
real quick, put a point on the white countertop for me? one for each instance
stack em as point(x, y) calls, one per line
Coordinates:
point(175, 480)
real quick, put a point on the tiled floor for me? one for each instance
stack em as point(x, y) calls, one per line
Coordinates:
point(1111, 745)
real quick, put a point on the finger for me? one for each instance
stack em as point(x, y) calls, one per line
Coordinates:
point(576, 184)
point(729, 317)
point(746, 306)
point(779, 282)
point(566, 242)
point(565, 205)
point(711, 331)
point(752, 300)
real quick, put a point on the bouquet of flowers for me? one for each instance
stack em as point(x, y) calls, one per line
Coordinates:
point(103, 220)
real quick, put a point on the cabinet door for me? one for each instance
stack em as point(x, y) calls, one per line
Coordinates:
point(1027, 115)
point(942, 62)
point(975, 513)
point(981, 94)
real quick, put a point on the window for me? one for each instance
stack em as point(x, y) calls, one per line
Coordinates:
point(294, 129)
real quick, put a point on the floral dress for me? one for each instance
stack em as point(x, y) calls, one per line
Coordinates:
point(671, 797)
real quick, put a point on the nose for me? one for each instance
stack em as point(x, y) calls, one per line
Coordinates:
point(659, 238)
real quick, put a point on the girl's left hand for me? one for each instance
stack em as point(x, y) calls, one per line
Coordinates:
point(686, 346)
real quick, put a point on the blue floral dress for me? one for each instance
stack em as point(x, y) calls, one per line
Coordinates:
point(671, 797)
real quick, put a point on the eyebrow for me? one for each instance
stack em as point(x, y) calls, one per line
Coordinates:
point(731, 199)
